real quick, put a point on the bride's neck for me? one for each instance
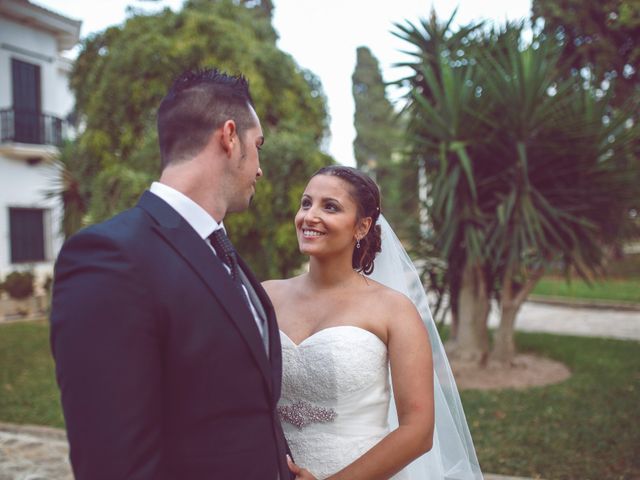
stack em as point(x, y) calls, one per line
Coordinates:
point(329, 273)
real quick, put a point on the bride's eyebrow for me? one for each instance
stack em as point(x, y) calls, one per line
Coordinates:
point(332, 200)
point(324, 199)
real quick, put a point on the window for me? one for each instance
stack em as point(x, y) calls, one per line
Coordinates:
point(26, 102)
point(26, 227)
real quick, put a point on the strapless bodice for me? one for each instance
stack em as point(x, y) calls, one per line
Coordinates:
point(335, 397)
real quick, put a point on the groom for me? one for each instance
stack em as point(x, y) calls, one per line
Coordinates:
point(166, 346)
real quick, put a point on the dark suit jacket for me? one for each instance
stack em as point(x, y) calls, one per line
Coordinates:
point(162, 370)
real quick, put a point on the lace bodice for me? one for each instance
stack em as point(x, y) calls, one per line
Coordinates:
point(335, 397)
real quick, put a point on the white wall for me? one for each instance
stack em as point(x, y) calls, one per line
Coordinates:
point(21, 184)
point(24, 185)
point(38, 48)
point(57, 92)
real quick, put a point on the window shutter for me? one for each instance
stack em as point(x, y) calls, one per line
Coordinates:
point(27, 235)
point(26, 101)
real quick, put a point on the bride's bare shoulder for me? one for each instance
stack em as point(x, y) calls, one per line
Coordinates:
point(388, 300)
point(276, 289)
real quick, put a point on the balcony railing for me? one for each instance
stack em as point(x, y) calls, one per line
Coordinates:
point(30, 127)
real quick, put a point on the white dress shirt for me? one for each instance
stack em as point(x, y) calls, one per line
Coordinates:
point(204, 224)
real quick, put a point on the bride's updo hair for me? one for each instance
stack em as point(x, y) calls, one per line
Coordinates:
point(366, 195)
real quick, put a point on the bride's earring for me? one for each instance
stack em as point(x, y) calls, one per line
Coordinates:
point(357, 243)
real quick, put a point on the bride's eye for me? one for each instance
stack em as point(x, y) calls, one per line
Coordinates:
point(332, 207)
point(305, 203)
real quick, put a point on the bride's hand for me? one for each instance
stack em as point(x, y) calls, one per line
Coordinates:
point(300, 473)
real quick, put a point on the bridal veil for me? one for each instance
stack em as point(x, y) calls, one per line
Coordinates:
point(452, 456)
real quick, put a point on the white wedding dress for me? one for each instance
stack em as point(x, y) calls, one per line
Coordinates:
point(335, 397)
point(337, 402)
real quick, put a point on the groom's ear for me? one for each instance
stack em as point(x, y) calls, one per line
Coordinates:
point(228, 136)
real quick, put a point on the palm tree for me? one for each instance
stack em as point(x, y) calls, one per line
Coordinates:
point(525, 169)
point(565, 171)
point(71, 187)
point(439, 105)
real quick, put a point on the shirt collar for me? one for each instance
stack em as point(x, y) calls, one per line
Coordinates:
point(196, 216)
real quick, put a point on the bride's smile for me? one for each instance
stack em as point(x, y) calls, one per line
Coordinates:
point(310, 233)
point(327, 221)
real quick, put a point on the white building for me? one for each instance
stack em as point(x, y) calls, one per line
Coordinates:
point(34, 101)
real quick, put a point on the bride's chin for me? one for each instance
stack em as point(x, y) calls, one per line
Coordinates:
point(304, 249)
point(308, 247)
point(308, 251)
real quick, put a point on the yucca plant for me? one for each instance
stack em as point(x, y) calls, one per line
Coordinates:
point(441, 132)
point(525, 169)
point(564, 173)
point(70, 188)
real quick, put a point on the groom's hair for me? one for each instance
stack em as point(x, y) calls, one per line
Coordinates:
point(197, 104)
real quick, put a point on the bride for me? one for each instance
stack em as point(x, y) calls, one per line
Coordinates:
point(367, 391)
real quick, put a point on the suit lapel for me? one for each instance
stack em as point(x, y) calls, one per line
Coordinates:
point(193, 249)
point(275, 350)
point(255, 300)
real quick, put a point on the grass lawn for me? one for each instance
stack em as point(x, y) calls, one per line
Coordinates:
point(585, 428)
point(28, 389)
point(622, 283)
point(621, 290)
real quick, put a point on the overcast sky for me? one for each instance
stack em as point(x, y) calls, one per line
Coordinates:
point(322, 35)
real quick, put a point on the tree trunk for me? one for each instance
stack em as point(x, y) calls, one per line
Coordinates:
point(472, 339)
point(511, 299)
point(454, 324)
point(504, 346)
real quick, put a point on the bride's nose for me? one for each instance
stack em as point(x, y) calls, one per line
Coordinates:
point(311, 215)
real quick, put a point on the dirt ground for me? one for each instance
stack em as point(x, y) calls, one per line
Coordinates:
point(526, 371)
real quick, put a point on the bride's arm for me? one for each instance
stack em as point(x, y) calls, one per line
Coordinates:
point(412, 375)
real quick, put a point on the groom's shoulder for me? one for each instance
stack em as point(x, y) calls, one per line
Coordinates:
point(123, 228)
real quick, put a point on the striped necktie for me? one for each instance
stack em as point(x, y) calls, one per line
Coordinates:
point(226, 252)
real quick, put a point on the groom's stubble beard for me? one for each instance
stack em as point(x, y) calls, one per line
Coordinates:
point(243, 158)
point(241, 202)
point(241, 161)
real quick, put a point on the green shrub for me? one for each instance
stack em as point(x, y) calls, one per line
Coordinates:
point(19, 285)
point(47, 284)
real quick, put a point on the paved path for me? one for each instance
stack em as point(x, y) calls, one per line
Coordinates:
point(38, 453)
point(589, 322)
point(33, 453)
